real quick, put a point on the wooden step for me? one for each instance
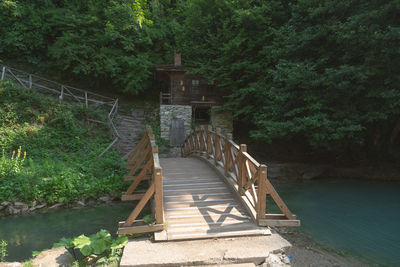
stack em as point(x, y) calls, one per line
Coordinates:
point(199, 203)
point(196, 193)
point(206, 218)
point(215, 209)
point(240, 229)
point(190, 185)
point(196, 197)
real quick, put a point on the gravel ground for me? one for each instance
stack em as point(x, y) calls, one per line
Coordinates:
point(306, 252)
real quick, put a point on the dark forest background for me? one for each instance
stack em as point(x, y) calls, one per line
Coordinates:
point(316, 78)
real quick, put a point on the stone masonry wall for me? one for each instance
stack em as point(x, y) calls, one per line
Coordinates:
point(170, 112)
point(222, 120)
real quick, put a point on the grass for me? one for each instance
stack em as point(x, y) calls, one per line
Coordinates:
point(60, 148)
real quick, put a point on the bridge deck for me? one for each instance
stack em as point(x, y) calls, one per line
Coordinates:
point(198, 203)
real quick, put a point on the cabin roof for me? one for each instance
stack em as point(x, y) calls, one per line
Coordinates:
point(171, 67)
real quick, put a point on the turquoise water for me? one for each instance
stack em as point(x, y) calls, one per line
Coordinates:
point(36, 232)
point(360, 218)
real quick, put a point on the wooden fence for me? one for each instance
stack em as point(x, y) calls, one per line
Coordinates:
point(67, 94)
point(144, 165)
point(243, 172)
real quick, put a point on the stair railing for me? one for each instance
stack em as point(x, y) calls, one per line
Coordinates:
point(242, 172)
point(65, 93)
point(144, 165)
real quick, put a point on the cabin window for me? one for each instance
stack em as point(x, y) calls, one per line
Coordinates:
point(195, 87)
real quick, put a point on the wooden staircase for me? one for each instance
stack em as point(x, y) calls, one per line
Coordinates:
point(130, 128)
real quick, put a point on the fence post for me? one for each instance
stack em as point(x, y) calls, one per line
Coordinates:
point(3, 73)
point(62, 93)
point(262, 192)
point(86, 100)
point(242, 168)
point(30, 81)
point(227, 152)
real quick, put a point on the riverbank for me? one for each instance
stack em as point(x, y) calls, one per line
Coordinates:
point(17, 207)
point(305, 251)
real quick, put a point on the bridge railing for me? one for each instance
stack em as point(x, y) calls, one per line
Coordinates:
point(243, 172)
point(144, 165)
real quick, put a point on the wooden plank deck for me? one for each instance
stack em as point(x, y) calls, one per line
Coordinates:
point(198, 204)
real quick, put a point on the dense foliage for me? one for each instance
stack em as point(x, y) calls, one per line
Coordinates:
point(49, 152)
point(105, 43)
point(321, 73)
point(324, 72)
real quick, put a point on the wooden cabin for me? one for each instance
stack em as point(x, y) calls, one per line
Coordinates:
point(187, 89)
point(188, 98)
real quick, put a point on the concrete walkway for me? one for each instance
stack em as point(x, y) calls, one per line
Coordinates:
point(252, 249)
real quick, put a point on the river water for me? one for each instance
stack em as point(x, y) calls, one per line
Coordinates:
point(356, 217)
point(28, 233)
point(360, 218)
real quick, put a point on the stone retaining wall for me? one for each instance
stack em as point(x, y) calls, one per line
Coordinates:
point(170, 112)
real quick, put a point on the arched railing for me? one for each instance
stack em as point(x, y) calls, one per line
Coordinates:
point(246, 176)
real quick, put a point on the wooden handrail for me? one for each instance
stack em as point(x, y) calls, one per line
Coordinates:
point(246, 175)
point(144, 164)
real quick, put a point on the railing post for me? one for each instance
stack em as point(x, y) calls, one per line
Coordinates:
point(3, 73)
point(227, 153)
point(148, 129)
point(202, 139)
point(209, 142)
point(242, 169)
point(30, 81)
point(262, 192)
point(216, 145)
point(86, 100)
point(158, 197)
point(62, 93)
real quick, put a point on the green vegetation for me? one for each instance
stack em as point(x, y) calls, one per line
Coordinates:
point(49, 151)
point(321, 75)
point(108, 251)
point(3, 250)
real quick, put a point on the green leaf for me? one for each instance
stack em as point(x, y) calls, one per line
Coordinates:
point(64, 242)
point(81, 241)
point(86, 250)
point(149, 218)
point(120, 242)
point(99, 246)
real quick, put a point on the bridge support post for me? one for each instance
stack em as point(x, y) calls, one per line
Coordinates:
point(262, 193)
point(158, 197)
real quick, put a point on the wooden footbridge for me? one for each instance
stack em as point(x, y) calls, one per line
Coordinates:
point(216, 190)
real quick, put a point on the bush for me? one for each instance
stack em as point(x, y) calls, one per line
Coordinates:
point(101, 244)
